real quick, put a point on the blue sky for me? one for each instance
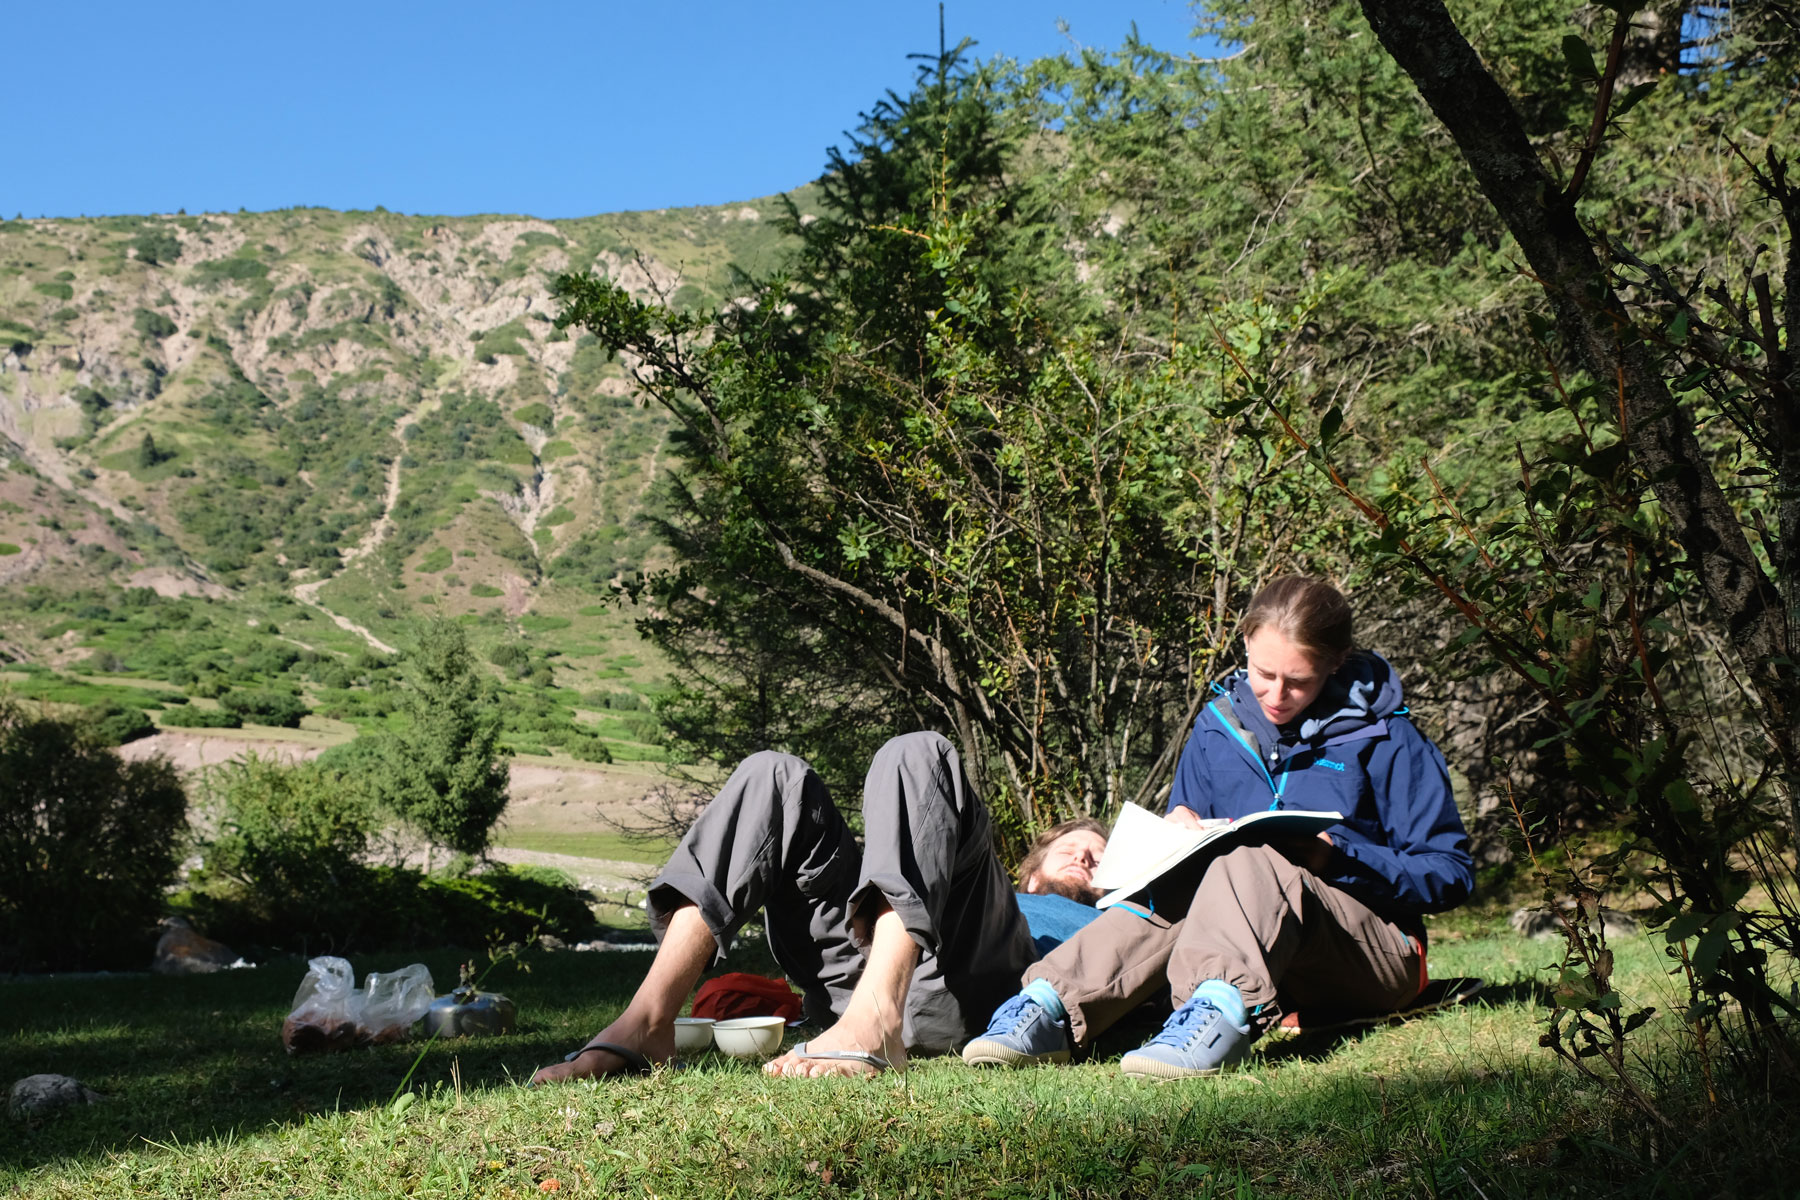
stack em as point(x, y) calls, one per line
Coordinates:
point(549, 109)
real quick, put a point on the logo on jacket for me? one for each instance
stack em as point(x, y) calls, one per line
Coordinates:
point(1335, 766)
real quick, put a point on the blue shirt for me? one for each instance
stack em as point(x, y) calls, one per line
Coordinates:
point(1054, 919)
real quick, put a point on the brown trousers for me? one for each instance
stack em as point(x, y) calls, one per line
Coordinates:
point(1274, 930)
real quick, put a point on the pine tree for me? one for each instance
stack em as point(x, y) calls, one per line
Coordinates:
point(445, 774)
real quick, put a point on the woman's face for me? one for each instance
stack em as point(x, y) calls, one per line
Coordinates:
point(1283, 677)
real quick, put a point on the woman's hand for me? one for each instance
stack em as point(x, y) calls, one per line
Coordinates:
point(1183, 816)
point(1312, 853)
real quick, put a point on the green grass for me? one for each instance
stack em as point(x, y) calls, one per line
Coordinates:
point(203, 1102)
point(589, 845)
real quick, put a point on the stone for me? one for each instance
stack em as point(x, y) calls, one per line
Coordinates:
point(182, 950)
point(37, 1095)
point(1542, 924)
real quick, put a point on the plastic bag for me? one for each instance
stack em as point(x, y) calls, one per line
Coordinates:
point(393, 1002)
point(331, 1013)
point(326, 1010)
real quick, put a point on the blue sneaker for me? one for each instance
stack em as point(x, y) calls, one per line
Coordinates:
point(1197, 1040)
point(1022, 1034)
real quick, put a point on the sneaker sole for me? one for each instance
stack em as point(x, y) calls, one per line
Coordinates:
point(1151, 1068)
point(984, 1053)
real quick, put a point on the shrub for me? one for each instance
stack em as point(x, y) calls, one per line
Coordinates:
point(87, 845)
point(155, 246)
point(114, 724)
point(265, 708)
point(288, 836)
point(152, 324)
point(201, 718)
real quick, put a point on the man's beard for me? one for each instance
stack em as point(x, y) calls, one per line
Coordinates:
point(1081, 893)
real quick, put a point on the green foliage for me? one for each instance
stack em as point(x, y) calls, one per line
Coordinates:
point(504, 340)
point(156, 246)
point(484, 591)
point(56, 291)
point(287, 868)
point(262, 707)
point(216, 272)
point(195, 717)
point(115, 724)
point(444, 773)
point(149, 454)
point(289, 842)
point(538, 415)
point(921, 486)
point(152, 324)
point(87, 844)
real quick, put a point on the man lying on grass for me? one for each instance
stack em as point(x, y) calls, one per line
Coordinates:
point(909, 944)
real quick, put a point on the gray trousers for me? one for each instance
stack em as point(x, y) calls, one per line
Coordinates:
point(772, 839)
point(1269, 927)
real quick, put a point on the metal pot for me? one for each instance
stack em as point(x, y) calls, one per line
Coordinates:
point(468, 1013)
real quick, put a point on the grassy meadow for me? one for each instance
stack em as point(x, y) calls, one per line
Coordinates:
point(203, 1102)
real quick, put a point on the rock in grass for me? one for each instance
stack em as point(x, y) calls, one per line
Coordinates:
point(1542, 924)
point(182, 950)
point(36, 1095)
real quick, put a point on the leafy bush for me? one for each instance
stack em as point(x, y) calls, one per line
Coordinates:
point(265, 708)
point(201, 718)
point(115, 724)
point(290, 839)
point(485, 591)
point(156, 246)
point(87, 845)
point(152, 324)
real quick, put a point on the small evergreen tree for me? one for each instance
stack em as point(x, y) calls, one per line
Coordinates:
point(444, 774)
point(148, 454)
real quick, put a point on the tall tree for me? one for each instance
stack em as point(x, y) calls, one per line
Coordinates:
point(444, 773)
point(936, 449)
point(1662, 356)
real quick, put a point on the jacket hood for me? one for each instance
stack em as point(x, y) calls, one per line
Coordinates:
point(1366, 689)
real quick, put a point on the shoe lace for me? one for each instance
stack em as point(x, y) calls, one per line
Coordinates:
point(1017, 1012)
point(1187, 1021)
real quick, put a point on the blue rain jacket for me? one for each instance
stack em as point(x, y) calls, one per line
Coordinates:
point(1401, 849)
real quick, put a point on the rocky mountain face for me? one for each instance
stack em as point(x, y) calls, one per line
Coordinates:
point(366, 410)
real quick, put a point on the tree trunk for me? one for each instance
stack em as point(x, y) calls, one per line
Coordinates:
point(1591, 319)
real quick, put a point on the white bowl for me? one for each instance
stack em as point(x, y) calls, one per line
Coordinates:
point(749, 1037)
point(693, 1034)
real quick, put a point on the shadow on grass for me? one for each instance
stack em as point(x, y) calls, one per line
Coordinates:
point(186, 1059)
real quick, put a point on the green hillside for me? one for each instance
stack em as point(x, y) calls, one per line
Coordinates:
point(302, 429)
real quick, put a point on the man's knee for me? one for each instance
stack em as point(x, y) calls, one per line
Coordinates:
point(924, 746)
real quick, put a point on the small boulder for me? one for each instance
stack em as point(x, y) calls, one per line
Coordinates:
point(36, 1095)
point(182, 950)
point(1543, 924)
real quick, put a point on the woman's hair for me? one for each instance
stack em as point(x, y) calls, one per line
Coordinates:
point(1040, 846)
point(1308, 612)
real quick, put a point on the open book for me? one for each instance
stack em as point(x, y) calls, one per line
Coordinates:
point(1144, 847)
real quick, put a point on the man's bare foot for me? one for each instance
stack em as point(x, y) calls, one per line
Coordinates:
point(863, 1037)
point(656, 1044)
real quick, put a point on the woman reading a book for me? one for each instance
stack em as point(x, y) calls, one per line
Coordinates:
point(1334, 920)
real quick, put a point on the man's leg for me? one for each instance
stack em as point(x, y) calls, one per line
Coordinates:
point(771, 839)
point(932, 896)
point(648, 1023)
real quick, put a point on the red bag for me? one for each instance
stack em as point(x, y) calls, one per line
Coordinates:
point(739, 994)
